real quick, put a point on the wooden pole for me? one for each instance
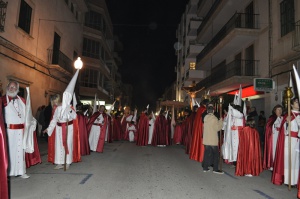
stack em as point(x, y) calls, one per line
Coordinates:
point(66, 146)
point(221, 101)
point(289, 94)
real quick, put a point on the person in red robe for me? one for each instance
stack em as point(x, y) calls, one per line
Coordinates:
point(83, 134)
point(124, 121)
point(143, 129)
point(281, 169)
point(96, 127)
point(197, 147)
point(190, 127)
point(3, 158)
point(116, 127)
point(271, 135)
point(249, 160)
point(54, 101)
point(160, 132)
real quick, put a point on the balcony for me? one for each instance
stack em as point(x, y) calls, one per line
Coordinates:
point(226, 77)
point(296, 37)
point(194, 49)
point(193, 25)
point(194, 75)
point(60, 63)
point(241, 28)
point(192, 7)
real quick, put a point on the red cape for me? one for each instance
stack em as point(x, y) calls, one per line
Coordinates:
point(177, 134)
point(197, 147)
point(3, 157)
point(160, 131)
point(278, 169)
point(143, 130)
point(268, 149)
point(189, 133)
point(83, 134)
point(35, 157)
point(100, 145)
point(249, 160)
point(76, 142)
point(116, 129)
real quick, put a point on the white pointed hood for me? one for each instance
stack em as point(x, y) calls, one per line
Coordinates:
point(68, 94)
point(297, 81)
point(30, 126)
point(74, 101)
point(95, 104)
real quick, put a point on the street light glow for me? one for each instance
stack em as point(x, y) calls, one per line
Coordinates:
point(78, 63)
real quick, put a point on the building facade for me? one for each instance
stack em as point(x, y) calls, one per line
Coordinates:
point(239, 41)
point(40, 40)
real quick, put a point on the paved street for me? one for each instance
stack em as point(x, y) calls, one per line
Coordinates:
point(125, 170)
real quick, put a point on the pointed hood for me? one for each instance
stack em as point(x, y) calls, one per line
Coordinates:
point(74, 101)
point(95, 104)
point(297, 81)
point(30, 126)
point(68, 94)
point(239, 97)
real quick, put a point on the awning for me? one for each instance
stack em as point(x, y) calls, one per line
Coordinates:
point(247, 92)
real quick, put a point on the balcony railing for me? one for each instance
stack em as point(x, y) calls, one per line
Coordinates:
point(209, 14)
point(238, 20)
point(234, 68)
point(59, 58)
point(296, 37)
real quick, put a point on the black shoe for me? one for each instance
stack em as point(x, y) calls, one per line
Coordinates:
point(218, 172)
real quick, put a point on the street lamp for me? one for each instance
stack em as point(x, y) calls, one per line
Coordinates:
point(78, 63)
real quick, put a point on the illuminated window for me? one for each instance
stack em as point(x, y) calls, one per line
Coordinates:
point(192, 66)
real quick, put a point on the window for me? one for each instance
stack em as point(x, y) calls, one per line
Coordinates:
point(91, 48)
point(25, 16)
point(287, 16)
point(94, 20)
point(192, 66)
point(88, 78)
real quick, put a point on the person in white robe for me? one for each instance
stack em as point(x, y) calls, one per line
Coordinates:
point(14, 109)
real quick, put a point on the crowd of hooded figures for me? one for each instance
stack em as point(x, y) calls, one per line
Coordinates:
point(209, 136)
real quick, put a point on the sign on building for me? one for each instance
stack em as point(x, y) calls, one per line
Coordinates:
point(263, 84)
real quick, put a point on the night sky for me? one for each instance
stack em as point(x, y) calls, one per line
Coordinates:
point(147, 29)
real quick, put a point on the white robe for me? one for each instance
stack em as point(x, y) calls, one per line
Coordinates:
point(15, 115)
point(294, 152)
point(95, 132)
point(59, 148)
point(131, 130)
point(231, 135)
point(151, 128)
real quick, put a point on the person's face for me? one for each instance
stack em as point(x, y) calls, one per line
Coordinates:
point(101, 109)
point(295, 105)
point(12, 89)
point(278, 111)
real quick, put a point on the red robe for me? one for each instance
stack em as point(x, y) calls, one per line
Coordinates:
point(143, 130)
point(197, 147)
point(268, 150)
point(116, 129)
point(160, 131)
point(83, 134)
point(124, 126)
point(249, 160)
point(189, 133)
point(101, 141)
point(3, 157)
point(177, 134)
